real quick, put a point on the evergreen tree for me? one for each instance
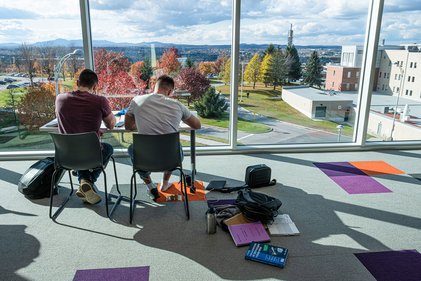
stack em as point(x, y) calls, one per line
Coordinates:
point(211, 104)
point(278, 72)
point(146, 70)
point(265, 69)
point(189, 63)
point(252, 72)
point(270, 49)
point(293, 63)
point(313, 71)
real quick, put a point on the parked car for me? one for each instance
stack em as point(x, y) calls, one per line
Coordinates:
point(12, 86)
point(3, 82)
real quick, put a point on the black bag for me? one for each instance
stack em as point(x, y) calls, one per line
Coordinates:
point(258, 206)
point(258, 176)
point(35, 183)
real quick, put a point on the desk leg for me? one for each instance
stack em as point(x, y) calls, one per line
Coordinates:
point(193, 159)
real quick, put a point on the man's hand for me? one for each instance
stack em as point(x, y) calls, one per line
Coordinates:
point(129, 122)
point(193, 122)
point(109, 121)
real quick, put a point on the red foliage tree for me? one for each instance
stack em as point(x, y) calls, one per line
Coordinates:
point(136, 73)
point(169, 63)
point(193, 81)
point(114, 79)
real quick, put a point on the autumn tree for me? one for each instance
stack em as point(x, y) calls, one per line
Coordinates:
point(252, 72)
point(193, 81)
point(265, 69)
point(206, 67)
point(293, 63)
point(27, 54)
point(313, 71)
point(169, 63)
point(114, 78)
point(227, 72)
point(218, 65)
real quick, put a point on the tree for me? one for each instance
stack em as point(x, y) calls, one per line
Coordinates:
point(252, 72)
point(189, 62)
point(169, 63)
point(206, 67)
point(313, 71)
point(293, 63)
point(37, 106)
point(73, 63)
point(211, 104)
point(270, 49)
point(27, 54)
point(227, 72)
point(219, 64)
point(265, 69)
point(278, 72)
point(47, 59)
point(193, 81)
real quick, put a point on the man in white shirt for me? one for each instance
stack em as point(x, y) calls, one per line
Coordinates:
point(156, 114)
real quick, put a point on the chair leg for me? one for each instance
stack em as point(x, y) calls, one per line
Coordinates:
point(184, 192)
point(119, 197)
point(132, 200)
point(106, 193)
point(54, 185)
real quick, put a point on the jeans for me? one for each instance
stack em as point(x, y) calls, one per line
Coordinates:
point(93, 175)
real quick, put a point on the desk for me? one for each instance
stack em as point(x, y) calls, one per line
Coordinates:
point(52, 127)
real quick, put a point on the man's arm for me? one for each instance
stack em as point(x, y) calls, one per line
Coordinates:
point(193, 122)
point(110, 121)
point(129, 122)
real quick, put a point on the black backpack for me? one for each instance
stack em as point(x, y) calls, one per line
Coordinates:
point(35, 183)
point(258, 206)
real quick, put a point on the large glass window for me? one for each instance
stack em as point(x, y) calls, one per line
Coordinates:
point(34, 36)
point(395, 113)
point(137, 41)
point(298, 70)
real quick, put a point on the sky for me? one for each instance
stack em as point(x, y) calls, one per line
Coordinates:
point(327, 22)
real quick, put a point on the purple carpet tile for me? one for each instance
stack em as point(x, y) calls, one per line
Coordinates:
point(220, 202)
point(113, 274)
point(360, 184)
point(333, 169)
point(393, 265)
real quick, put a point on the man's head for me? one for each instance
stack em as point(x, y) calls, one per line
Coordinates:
point(164, 85)
point(88, 79)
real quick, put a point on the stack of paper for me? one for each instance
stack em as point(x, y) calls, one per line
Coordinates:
point(283, 226)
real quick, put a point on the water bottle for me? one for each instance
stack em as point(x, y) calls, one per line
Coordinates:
point(211, 221)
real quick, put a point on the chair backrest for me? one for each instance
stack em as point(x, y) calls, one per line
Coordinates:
point(156, 153)
point(77, 151)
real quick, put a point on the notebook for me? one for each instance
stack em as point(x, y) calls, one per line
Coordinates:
point(283, 226)
point(244, 234)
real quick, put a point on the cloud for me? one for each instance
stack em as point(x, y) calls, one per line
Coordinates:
point(8, 13)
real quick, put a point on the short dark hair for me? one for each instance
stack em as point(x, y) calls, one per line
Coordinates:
point(88, 78)
point(165, 82)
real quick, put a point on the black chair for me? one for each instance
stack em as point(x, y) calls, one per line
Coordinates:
point(79, 152)
point(157, 153)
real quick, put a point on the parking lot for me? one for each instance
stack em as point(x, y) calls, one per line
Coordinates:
point(18, 81)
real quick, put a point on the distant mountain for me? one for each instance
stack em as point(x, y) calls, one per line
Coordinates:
point(108, 44)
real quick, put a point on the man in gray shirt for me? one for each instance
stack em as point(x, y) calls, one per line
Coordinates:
point(156, 114)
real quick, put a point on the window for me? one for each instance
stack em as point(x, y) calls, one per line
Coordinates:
point(357, 74)
point(385, 74)
point(410, 66)
point(349, 74)
point(320, 112)
point(409, 78)
point(347, 86)
point(396, 76)
point(415, 65)
point(413, 78)
point(410, 93)
point(401, 63)
point(406, 92)
point(380, 75)
point(334, 72)
point(382, 87)
point(397, 90)
point(356, 86)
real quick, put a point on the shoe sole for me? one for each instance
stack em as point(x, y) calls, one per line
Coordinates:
point(90, 195)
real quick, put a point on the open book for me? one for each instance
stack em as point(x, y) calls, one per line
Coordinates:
point(283, 226)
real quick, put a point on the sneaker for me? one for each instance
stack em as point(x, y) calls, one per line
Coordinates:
point(153, 193)
point(87, 193)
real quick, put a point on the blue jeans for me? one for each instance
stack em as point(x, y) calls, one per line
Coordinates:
point(93, 175)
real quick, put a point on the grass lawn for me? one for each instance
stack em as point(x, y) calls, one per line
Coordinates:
point(264, 101)
point(243, 125)
point(67, 85)
point(5, 96)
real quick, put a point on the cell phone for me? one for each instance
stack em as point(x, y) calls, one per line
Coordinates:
point(119, 124)
point(216, 185)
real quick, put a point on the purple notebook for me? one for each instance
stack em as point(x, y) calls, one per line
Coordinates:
point(244, 234)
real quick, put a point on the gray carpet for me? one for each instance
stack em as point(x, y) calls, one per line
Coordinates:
point(333, 224)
